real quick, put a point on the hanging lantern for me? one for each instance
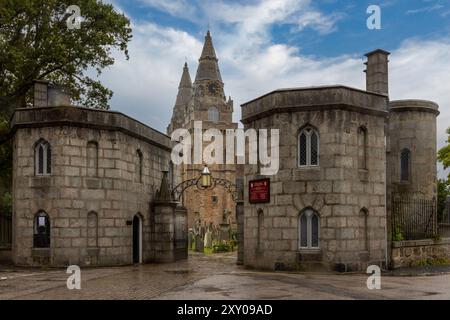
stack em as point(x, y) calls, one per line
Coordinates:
point(206, 178)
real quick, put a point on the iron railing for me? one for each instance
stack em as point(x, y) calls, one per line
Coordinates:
point(444, 221)
point(414, 219)
point(446, 214)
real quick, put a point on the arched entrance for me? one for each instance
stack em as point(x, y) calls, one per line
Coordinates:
point(137, 239)
point(206, 182)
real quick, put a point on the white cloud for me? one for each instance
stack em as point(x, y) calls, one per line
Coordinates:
point(425, 9)
point(173, 7)
point(145, 87)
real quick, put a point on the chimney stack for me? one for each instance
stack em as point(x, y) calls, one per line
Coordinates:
point(377, 71)
point(49, 95)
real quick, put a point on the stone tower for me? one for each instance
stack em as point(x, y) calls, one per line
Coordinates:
point(411, 162)
point(205, 101)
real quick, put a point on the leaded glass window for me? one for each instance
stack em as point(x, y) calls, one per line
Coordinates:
point(308, 147)
point(405, 163)
point(42, 158)
point(309, 224)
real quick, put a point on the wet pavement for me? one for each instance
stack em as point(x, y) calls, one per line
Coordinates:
point(212, 277)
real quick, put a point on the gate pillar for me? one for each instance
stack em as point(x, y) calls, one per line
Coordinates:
point(165, 240)
point(240, 219)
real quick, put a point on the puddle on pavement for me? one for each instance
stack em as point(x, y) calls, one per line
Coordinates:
point(177, 271)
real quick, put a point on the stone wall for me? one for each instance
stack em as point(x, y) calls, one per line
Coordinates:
point(350, 201)
point(113, 190)
point(420, 252)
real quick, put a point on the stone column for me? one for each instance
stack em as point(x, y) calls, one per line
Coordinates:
point(164, 209)
point(164, 231)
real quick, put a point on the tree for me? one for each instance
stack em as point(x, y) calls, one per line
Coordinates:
point(444, 153)
point(443, 191)
point(36, 43)
point(444, 185)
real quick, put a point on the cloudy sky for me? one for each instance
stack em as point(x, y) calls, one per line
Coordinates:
point(263, 45)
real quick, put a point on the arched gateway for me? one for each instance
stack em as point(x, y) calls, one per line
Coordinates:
point(167, 210)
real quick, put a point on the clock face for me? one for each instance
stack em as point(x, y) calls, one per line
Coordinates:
point(212, 88)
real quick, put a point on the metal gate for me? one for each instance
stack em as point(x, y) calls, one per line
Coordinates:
point(5, 231)
point(414, 219)
point(181, 234)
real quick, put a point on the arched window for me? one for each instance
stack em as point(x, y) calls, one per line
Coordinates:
point(405, 165)
point(42, 158)
point(92, 229)
point(362, 148)
point(139, 166)
point(260, 227)
point(92, 159)
point(213, 114)
point(308, 147)
point(308, 228)
point(41, 234)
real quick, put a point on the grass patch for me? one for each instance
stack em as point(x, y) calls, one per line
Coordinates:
point(431, 262)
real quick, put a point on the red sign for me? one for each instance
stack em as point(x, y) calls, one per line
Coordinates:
point(259, 191)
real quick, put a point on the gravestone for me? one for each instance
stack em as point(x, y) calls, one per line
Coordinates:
point(199, 243)
point(191, 239)
point(224, 232)
point(208, 239)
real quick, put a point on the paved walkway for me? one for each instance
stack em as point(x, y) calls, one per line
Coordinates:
point(212, 277)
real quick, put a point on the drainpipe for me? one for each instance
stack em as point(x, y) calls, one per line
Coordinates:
point(385, 203)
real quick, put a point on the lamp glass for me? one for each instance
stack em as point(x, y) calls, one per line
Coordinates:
point(206, 178)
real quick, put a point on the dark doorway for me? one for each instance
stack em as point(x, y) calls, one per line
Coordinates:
point(137, 236)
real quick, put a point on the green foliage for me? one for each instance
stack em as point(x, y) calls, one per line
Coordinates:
point(398, 235)
point(223, 246)
point(6, 203)
point(35, 43)
point(431, 262)
point(5, 168)
point(443, 192)
point(444, 153)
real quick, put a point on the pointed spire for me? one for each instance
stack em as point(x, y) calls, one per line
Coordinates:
point(185, 88)
point(184, 98)
point(186, 81)
point(208, 48)
point(208, 68)
point(164, 193)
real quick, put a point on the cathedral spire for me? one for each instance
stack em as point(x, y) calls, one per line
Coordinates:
point(208, 68)
point(186, 81)
point(184, 98)
point(185, 88)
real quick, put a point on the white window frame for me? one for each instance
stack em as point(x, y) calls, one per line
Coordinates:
point(308, 131)
point(45, 148)
point(309, 214)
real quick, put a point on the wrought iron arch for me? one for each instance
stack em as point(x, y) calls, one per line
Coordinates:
point(229, 186)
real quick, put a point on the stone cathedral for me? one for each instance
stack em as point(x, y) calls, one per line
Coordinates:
point(205, 100)
point(93, 187)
